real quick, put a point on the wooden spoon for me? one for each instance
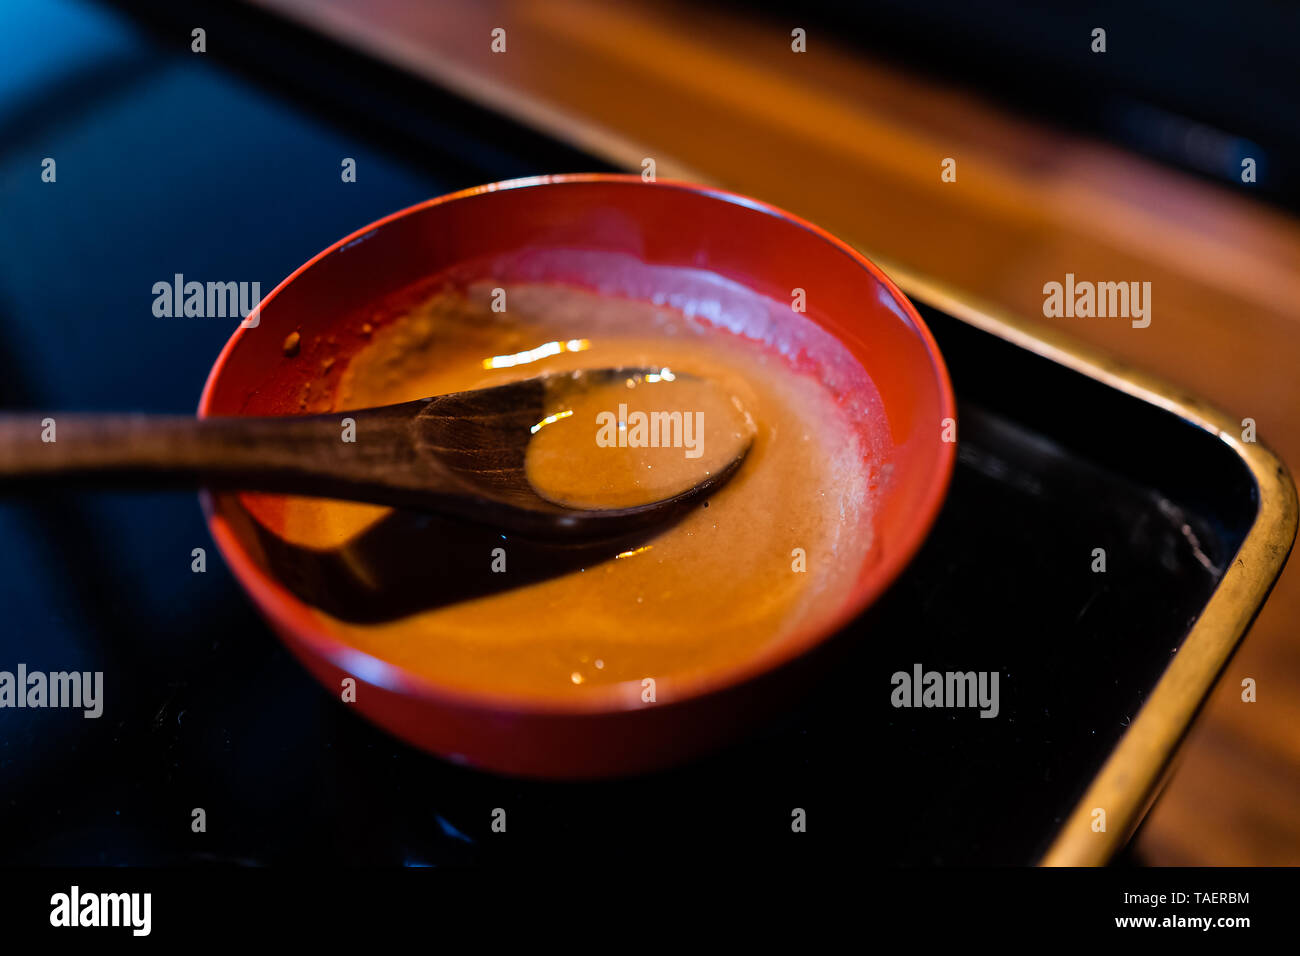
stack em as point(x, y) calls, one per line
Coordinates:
point(461, 454)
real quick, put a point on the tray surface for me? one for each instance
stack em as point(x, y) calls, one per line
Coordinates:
point(172, 162)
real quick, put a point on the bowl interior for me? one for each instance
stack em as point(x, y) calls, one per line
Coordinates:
point(729, 260)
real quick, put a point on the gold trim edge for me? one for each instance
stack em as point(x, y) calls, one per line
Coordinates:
point(1133, 773)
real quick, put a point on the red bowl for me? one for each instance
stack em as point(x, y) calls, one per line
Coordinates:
point(544, 229)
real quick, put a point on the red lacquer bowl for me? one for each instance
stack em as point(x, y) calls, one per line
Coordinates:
point(619, 235)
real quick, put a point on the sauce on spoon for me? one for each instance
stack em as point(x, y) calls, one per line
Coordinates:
point(635, 441)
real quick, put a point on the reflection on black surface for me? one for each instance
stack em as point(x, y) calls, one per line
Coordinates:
point(408, 562)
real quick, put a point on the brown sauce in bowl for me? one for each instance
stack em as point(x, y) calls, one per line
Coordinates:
point(774, 551)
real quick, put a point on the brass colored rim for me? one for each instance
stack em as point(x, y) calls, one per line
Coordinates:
point(1132, 775)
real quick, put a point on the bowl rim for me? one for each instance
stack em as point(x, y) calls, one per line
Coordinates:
point(293, 617)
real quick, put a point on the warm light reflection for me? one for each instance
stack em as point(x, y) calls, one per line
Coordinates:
point(628, 554)
point(550, 420)
point(533, 355)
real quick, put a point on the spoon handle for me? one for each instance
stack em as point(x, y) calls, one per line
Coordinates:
point(363, 454)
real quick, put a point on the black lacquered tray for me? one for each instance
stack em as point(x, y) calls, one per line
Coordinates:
point(227, 167)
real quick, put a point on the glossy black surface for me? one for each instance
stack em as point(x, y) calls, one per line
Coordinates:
point(226, 166)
